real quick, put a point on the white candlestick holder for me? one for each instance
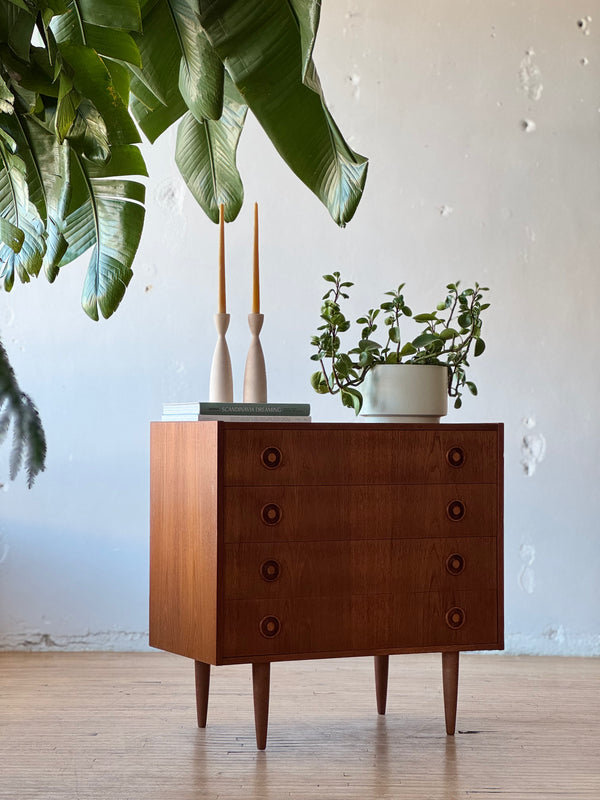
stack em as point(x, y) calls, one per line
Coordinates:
point(255, 374)
point(221, 376)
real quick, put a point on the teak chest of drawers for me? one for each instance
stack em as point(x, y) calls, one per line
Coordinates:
point(274, 542)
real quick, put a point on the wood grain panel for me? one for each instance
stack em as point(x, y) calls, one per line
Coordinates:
point(358, 512)
point(184, 569)
point(357, 624)
point(326, 455)
point(330, 569)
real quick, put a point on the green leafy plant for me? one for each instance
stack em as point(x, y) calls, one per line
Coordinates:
point(16, 407)
point(446, 338)
point(79, 79)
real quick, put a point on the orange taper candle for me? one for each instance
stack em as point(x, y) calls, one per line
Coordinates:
point(255, 279)
point(222, 304)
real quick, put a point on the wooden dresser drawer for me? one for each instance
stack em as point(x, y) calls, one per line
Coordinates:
point(358, 624)
point(363, 567)
point(305, 513)
point(325, 455)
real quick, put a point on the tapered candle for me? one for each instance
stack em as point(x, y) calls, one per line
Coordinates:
point(222, 304)
point(255, 280)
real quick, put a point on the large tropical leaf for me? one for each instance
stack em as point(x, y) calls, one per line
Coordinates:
point(16, 27)
point(122, 14)
point(308, 14)
point(92, 80)
point(201, 70)
point(76, 26)
point(110, 221)
point(206, 157)
point(47, 179)
point(29, 441)
point(156, 101)
point(15, 208)
point(261, 44)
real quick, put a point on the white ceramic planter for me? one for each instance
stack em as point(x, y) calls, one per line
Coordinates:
point(405, 393)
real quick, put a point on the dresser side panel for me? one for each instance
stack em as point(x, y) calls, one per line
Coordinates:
point(500, 536)
point(184, 565)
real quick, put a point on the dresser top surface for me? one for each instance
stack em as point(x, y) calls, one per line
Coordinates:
point(403, 426)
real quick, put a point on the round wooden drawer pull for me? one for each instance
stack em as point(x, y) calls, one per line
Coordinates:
point(271, 457)
point(455, 510)
point(270, 570)
point(455, 456)
point(455, 564)
point(455, 618)
point(271, 514)
point(269, 627)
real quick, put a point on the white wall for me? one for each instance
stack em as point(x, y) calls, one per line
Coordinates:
point(438, 94)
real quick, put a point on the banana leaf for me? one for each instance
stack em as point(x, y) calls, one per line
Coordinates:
point(109, 41)
point(110, 220)
point(156, 101)
point(266, 51)
point(16, 407)
point(15, 207)
point(206, 156)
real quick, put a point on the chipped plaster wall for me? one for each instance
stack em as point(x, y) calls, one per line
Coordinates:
point(482, 123)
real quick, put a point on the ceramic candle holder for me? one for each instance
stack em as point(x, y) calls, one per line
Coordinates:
point(255, 374)
point(221, 376)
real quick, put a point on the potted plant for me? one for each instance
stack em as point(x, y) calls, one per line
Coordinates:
point(406, 379)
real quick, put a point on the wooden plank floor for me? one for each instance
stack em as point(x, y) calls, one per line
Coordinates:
point(109, 726)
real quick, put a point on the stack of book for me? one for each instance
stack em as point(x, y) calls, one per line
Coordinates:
point(236, 412)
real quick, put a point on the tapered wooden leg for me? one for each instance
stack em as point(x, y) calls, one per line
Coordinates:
point(450, 682)
point(382, 664)
point(261, 676)
point(202, 687)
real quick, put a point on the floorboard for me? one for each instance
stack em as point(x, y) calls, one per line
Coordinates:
point(108, 726)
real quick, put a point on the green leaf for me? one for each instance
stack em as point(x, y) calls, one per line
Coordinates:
point(261, 46)
point(201, 71)
point(472, 387)
point(123, 14)
point(394, 334)
point(88, 133)
point(93, 80)
point(16, 28)
point(111, 222)
point(308, 13)
point(408, 350)
point(479, 347)
point(66, 108)
point(447, 333)
point(425, 339)
point(29, 441)
point(47, 177)
point(7, 98)
point(11, 235)
point(457, 403)
point(206, 157)
point(424, 317)
point(16, 209)
point(352, 398)
point(108, 41)
point(157, 102)
point(319, 383)
point(368, 345)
